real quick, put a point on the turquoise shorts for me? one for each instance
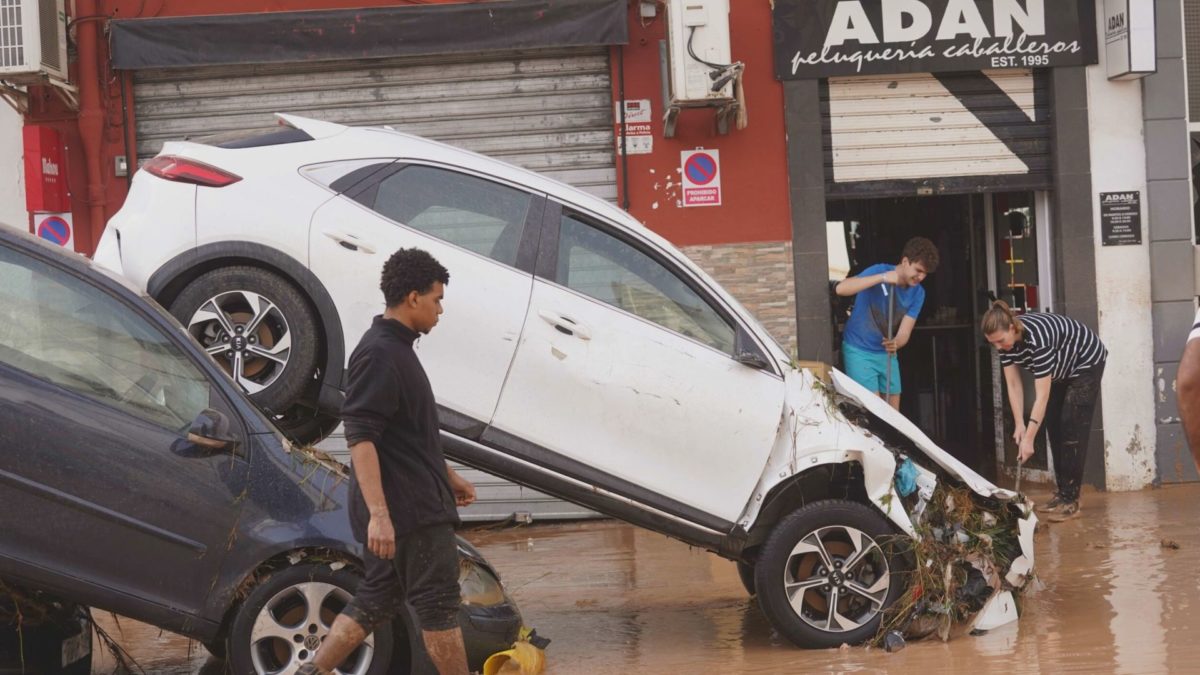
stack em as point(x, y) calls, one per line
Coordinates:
point(870, 369)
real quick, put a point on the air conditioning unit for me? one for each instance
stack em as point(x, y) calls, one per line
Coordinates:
point(33, 41)
point(698, 67)
point(698, 35)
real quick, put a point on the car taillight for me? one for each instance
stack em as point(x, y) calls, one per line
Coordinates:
point(184, 170)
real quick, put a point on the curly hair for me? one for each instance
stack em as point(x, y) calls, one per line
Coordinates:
point(921, 250)
point(408, 270)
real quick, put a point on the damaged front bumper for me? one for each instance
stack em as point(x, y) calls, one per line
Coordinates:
point(815, 432)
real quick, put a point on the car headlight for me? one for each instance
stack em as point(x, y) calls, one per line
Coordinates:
point(479, 586)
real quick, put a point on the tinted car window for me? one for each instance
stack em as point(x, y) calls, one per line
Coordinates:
point(599, 265)
point(470, 212)
point(57, 327)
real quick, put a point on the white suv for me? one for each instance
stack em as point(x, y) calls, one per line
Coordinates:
point(579, 353)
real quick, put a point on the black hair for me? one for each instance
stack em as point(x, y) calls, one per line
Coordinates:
point(408, 270)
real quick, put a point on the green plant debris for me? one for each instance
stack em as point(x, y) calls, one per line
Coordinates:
point(965, 544)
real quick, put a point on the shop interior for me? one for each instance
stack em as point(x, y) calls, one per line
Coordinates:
point(952, 386)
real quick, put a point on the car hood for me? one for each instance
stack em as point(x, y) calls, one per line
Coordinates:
point(857, 393)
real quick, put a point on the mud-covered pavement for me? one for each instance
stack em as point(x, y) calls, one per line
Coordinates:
point(617, 599)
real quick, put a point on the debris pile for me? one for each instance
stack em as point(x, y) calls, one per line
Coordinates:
point(963, 555)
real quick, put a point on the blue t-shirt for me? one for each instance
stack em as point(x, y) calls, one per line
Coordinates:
point(867, 326)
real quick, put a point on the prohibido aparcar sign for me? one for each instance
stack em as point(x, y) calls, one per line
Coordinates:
point(824, 38)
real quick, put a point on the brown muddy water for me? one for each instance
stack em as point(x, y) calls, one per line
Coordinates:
point(617, 599)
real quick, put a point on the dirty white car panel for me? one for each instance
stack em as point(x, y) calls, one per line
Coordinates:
point(705, 423)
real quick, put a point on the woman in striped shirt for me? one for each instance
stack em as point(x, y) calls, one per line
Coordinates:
point(1067, 361)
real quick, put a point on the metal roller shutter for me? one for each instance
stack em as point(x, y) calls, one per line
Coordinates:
point(929, 133)
point(549, 110)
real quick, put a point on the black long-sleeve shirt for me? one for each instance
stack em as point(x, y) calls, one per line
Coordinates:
point(389, 402)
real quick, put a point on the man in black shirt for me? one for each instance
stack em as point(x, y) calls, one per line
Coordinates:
point(403, 495)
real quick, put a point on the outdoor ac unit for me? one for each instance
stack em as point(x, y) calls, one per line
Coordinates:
point(33, 41)
point(698, 40)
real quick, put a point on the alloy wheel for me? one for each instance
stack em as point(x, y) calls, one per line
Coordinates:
point(247, 334)
point(292, 625)
point(837, 579)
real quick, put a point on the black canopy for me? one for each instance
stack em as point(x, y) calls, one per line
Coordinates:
point(344, 34)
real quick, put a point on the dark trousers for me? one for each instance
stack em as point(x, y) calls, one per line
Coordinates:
point(1069, 426)
point(424, 573)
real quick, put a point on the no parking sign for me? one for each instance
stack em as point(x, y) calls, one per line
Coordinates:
point(701, 171)
point(55, 228)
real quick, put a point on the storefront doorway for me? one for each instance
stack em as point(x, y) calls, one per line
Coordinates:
point(989, 247)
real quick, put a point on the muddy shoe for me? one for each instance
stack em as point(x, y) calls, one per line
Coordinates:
point(1054, 504)
point(1067, 511)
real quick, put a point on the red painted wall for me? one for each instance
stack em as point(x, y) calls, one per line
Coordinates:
point(754, 180)
point(753, 166)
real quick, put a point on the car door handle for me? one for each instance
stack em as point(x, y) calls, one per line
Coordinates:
point(565, 325)
point(350, 242)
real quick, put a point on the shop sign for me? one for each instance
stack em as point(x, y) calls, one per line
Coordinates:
point(1130, 51)
point(1120, 218)
point(823, 38)
point(701, 171)
point(638, 139)
point(45, 170)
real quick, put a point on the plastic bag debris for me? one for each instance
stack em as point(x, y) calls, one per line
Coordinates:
point(906, 478)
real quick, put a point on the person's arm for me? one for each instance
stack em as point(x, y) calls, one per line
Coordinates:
point(1037, 417)
point(1016, 400)
point(372, 398)
point(1187, 391)
point(464, 492)
point(854, 285)
point(902, 336)
point(381, 536)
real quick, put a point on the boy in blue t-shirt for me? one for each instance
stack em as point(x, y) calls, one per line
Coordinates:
point(865, 347)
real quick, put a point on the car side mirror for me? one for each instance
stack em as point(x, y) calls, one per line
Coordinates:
point(211, 429)
point(752, 359)
point(746, 353)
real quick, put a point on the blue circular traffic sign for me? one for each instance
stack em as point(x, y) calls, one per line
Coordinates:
point(55, 229)
point(701, 168)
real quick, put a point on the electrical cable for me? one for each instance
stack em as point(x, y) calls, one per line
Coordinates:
point(692, 53)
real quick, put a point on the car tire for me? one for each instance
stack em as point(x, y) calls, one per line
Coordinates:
point(216, 648)
point(306, 426)
point(217, 306)
point(745, 572)
point(829, 550)
point(275, 629)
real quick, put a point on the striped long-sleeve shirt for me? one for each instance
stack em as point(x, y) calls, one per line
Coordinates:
point(1055, 345)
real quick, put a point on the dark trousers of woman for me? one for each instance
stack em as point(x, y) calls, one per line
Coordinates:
point(1069, 426)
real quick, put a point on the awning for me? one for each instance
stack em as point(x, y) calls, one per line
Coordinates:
point(333, 35)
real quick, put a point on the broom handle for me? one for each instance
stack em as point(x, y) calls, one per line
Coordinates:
point(891, 303)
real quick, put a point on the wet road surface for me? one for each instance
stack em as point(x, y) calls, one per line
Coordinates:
point(617, 599)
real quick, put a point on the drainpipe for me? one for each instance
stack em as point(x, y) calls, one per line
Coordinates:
point(91, 115)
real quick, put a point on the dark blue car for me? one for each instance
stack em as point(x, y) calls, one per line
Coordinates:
point(137, 478)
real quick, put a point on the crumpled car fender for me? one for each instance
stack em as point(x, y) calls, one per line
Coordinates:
point(812, 433)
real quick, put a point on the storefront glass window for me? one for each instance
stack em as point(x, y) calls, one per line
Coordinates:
point(1015, 226)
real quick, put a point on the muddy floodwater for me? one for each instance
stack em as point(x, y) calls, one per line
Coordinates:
point(617, 599)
